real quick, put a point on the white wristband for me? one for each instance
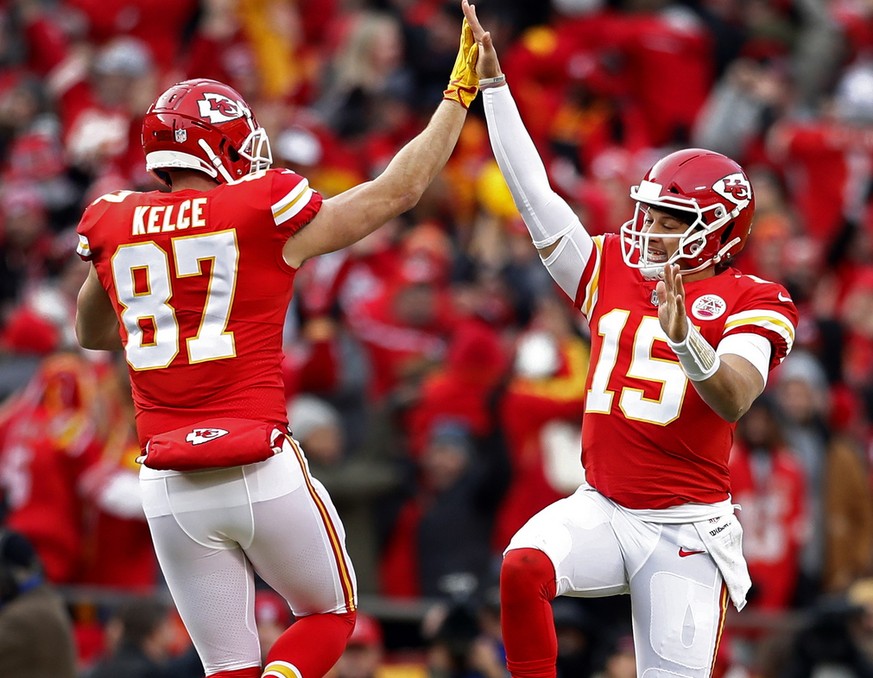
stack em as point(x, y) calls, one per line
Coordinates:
point(698, 359)
point(496, 81)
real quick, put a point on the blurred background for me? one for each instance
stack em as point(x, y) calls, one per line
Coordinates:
point(434, 373)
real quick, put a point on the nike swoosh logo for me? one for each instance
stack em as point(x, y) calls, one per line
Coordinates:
point(782, 297)
point(684, 554)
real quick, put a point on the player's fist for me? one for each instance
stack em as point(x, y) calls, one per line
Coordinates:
point(464, 82)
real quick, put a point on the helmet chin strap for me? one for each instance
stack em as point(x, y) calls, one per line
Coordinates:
point(216, 161)
point(725, 249)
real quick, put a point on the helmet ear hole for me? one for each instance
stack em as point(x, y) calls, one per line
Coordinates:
point(726, 234)
point(233, 154)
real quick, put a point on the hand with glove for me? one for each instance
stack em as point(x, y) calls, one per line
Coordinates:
point(464, 82)
point(487, 65)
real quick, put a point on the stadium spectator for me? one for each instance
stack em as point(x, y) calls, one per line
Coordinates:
point(839, 546)
point(36, 638)
point(440, 546)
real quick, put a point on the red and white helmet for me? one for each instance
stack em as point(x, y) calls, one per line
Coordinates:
point(204, 125)
point(709, 191)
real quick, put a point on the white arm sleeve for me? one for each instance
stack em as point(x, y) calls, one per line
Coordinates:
point(753, 347)
point(547, 216)
point(567, 263)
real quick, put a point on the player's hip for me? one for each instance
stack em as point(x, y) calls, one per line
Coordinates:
point(172, 492)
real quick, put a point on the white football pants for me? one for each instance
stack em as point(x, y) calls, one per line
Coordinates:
point(677, 593)
point(213, 529)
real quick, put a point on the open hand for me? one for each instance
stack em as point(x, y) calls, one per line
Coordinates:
point(488, 66)
point(464, 81)
point(671, 304)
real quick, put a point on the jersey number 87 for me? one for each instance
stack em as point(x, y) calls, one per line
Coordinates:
point(144, 287)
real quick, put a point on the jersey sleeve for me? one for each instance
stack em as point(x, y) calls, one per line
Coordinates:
point(87, 227)
point(586, 296)
point(293, 202)
point(83, 248)
point(766, 309)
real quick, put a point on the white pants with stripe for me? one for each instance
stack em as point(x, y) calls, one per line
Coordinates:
point(213, 529)
point(677, 593)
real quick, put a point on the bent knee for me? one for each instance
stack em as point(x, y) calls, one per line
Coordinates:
point(527, 572)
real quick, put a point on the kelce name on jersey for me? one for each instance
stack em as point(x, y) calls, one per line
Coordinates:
point(166, 218)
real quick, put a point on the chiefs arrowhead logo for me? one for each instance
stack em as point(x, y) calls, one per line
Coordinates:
point(203, 435)
point(736, 188)
point(218, 108)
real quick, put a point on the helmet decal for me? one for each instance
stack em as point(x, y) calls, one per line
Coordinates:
point(218, 108)
point(735, 188)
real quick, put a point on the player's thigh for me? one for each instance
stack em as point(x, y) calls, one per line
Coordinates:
point(213, 589)
point(577, 535)
point(299, 550)
point(679, 602)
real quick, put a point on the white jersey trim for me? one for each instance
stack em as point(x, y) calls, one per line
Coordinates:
point(84, 247)
point(292, 203)
point(772, 321)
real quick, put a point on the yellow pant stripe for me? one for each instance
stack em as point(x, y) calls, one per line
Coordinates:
point(723, 606)
point(336, 544)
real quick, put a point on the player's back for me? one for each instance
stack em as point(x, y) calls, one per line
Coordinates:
point(201, 290)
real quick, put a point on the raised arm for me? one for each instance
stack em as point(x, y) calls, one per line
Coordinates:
point(346, 218)
point(556, 231)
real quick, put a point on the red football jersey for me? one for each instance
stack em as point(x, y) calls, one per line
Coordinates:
point(201, 291)
point(648, 439)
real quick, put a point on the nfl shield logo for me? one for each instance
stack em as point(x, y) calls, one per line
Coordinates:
point(181, 136)
point(654, 297)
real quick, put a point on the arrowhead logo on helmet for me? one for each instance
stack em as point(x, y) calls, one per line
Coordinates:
point(735, 188)
point(218, 108)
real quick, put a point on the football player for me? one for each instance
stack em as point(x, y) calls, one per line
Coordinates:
point(682, 343)
point(194, 285)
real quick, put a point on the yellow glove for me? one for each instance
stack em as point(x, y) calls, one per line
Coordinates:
point(464, 83)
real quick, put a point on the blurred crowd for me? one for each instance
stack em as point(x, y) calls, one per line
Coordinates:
point(434, 373)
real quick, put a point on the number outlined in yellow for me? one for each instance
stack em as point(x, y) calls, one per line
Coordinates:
point(213, 341)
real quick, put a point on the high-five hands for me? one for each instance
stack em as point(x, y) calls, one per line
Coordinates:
point(487, 66)
point(464, 81)
point(671, 304)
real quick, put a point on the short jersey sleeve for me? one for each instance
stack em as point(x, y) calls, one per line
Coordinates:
point(293, 202)
point(88, 223)
point(587, 294)
point(766, 309)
